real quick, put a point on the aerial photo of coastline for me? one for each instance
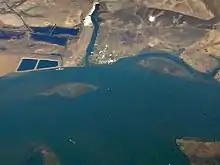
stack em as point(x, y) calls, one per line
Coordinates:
point(115, 82)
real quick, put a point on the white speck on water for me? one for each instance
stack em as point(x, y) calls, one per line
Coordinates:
point(72, 141)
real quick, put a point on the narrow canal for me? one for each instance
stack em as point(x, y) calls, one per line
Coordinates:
point(95, 21)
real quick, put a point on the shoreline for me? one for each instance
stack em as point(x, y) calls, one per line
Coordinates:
point(77, 50)
point(88, 19)
point(91, 45)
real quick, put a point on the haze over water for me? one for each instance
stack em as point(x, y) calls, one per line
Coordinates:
point(133, 118)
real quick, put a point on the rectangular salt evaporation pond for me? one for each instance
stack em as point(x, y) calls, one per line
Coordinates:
point(55, 30)
point(47, 64)
point(27, 64)
point(54, 35)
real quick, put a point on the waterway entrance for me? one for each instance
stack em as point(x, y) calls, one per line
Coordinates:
point(95, 21)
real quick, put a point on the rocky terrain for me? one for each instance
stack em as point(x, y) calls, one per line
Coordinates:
point(196, 8)
point(189, 28)
point(63, 13)
point(200, 152)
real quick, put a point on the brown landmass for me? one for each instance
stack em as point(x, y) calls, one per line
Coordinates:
point(200, 152)
point(49, 156)
point(62, 13)
point(21, 15)
point(217, 76)
point(190, 28)
point(189, 25)
point(76, 50)
point(195, 8)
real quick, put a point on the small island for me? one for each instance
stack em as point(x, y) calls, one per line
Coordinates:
point(47, 155)
point(69, 90)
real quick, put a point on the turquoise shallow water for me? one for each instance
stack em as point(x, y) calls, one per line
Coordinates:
point(135, 122)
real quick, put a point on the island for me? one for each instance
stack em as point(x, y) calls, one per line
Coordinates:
point(200, 152)
point(69, 90)
point(46, 154)
point(49, 156)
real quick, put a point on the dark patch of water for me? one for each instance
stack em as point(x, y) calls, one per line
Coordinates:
point(136, 122)
point(95, 21)
point(55, 30)
point(7, 35)
point(50, 39)
point(46, 34)
point(47, 64)
point(27, 64)
point(33, 158)
point(51, 34)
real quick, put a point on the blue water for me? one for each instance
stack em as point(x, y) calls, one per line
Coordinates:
point(50, 39)
point(55, 30)
point(47, 64)
point(27, 64)
point(11, 35)
point(136, 122)
point(51, 35)
point(46, 34)
point(90, 47)
point(133, 118)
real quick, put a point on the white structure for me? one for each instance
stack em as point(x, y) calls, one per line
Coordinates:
point(151, 18)
point(88, 20)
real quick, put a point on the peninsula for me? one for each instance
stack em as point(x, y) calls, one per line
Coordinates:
point(200, 152)
point(132, 27)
